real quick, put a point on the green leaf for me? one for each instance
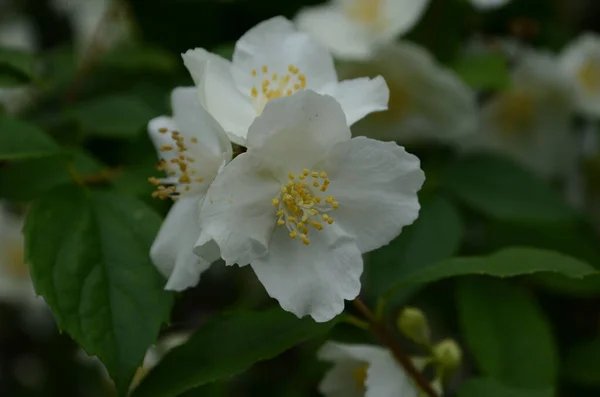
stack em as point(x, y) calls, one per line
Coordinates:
point(507, 333)
point(139, 59)
point(509, 262)
point(116, 116)
point(19, 140)
point(484, 72)
point(438, 225)
point(481, 387)
point(43, 174)
point(16, 67)
point(582, 365)
point(88, 255)
point(225, 346)
point(500, 189)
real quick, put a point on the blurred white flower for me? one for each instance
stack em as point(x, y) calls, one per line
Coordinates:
point(363, 371)
point(355, 29)
point(531, 120)
point(192, 147)
point(19, 34)
point(427, 101)
point(273, 60)
point(102, 22)
point(489, 4)
point(15, 283)
point(580, 61)
point(274, 206)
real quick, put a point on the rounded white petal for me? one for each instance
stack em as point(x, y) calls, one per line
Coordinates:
point(19, 34)
point(342, 352)
point(312, 279)
point(276, 44)
point(193, 121)
point(359, 97)
point(331, 26)
point(218, 93)
point(489, 4)
point(401, 16)
point(376, 185)
point(386, 378)
point(427, 101)
point(237, 212)
point(580, 61)
point(296, 132)
point(172, 250)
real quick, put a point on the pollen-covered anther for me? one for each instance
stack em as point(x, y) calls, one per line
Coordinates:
point(275, 85)
point(300, 207)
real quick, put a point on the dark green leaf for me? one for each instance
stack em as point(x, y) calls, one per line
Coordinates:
point(510, 262)
point(582, 364)
point(117, 116)
point(485, 387)
point(484, 71)
point(19, 140)
point(507, 333)
point(139, 59)
point(439, 225)
point(43, 174)
point(88, 254)
point(16, 67)
point(225, 346)
point(500, 189)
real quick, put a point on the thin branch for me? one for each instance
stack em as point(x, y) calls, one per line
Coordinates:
point(382, 332)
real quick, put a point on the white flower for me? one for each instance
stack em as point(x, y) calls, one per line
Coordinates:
point(274, 206)
point(354, 29)
point(17, 33)
point(363, 371)
point(580, 60)
point(102, 22)
point(192, 147)
point(15, 283)
point(530, 122)
point(427, 101)
point(273, 60)
point(489, 4)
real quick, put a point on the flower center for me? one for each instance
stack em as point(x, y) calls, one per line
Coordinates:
point(515, 113)
point(182, 175)
point(274, 85)
point(300, 204)
point(367, 12)
point(589, 76)
point(14, 257)
point(360, 376)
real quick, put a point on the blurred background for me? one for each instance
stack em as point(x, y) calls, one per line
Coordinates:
point(100, 58)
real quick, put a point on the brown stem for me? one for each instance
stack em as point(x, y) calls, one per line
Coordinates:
point(382, 332)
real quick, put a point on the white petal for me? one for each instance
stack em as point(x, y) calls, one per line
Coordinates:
point(310, 123)
point(359, 97)
point(219, 94)
point(340, 352)
point(426, 99)
point(276, 43)
point(344, 38)
point(160, 139)
point(376, 184)
point(315, 279)
point(237, 212)
point(401, 16)
point(172, 250)
point(193, 121)
point(386, 378)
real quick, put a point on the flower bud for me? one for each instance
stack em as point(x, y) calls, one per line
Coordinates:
point(413, 324)
point(448, 354)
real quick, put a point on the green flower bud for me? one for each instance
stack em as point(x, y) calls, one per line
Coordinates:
point(413, 324)
point(448, 354)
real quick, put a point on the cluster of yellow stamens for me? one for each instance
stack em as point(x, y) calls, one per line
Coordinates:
point(179, 164)
point(274, 85)
point(589, 76)
point(515, 113)
point(300, 204)
point(368, 12)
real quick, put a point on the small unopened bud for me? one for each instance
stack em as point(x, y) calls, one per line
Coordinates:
point(448, 354)
point(412, 322)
